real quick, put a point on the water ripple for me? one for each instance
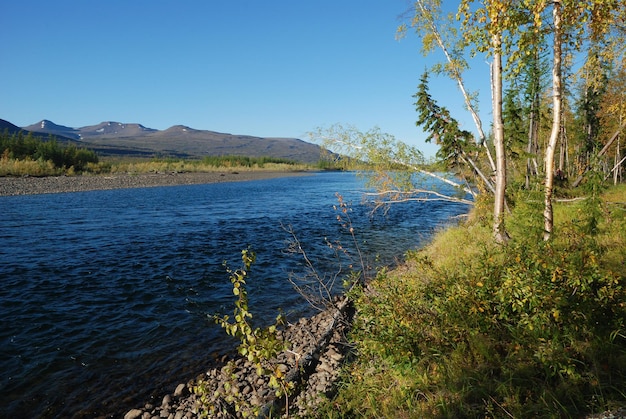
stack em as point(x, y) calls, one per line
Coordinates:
point(105, 294)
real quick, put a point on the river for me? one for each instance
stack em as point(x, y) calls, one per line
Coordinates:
point(105, 294)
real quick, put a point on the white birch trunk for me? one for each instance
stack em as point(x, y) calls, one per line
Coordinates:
point(498, 133)
point(548, 214)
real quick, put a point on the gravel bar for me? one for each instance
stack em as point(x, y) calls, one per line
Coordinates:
point(29, 185)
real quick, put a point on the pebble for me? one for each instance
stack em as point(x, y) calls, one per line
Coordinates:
point(133, 414)
point(55, 184)
point(181, 390)
point(319, 338)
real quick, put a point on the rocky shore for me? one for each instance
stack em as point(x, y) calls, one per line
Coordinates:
point(29, 185)
point(319, 347)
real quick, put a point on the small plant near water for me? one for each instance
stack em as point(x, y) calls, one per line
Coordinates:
point(349, 269)
point(259, 346)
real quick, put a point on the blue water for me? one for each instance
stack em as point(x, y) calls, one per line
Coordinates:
point(105, 294)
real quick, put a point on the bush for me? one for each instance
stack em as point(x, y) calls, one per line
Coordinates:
point(524, 330)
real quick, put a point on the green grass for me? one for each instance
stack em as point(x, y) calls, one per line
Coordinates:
point(468, 328)
point(206, 165)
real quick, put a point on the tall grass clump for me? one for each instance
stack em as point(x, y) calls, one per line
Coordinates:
point(469, 328)
point(27, 167)
point(207, 164)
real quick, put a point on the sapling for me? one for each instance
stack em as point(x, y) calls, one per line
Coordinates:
point(258, 345)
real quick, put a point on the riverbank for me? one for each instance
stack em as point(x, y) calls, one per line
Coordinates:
point(470, 328)
point(319, 348)
point(60, 184)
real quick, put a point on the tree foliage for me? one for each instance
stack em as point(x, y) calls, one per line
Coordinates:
point(441, 127)
point(26, 147)
point(396, 170)
point(516, 36)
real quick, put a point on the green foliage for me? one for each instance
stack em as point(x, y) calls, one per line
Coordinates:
point(242, 161)
point(258, 345)
point(442, 128)
point(20, 147)
point(591, 95)
point(373, 148)
point(592, 207)
point(515, 127)
point(530, 329)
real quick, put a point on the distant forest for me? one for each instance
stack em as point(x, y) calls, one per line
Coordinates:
point(18, 146)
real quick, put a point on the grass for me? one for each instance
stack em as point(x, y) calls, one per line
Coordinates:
point(468, 328)
point(12, 167)
point(168, 166)
point(23, 167)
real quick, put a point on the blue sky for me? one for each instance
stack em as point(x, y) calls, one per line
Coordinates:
point(268, 68)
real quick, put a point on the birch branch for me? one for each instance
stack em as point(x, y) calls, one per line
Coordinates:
point(456, 75)
point(409, 196)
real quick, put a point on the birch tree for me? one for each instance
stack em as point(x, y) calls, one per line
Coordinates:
point(428, 22)
point(557, 48)
point(587, 21)
point(491, 27)
point(393, 165)
point(438, 32)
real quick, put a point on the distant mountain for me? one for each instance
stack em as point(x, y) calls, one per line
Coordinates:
point(14, 129)
point(7, 126)
point(117, 138)
point(114, 130)
point(50, 128)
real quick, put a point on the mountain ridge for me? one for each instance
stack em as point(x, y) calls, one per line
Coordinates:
point(112, 138)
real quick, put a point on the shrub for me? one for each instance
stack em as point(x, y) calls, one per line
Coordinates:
point(259, 346)
point(524, 330)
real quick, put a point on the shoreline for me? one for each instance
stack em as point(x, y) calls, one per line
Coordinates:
point(319, 350)
point(28, 185)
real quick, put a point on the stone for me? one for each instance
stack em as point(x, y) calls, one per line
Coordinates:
point(333, 354)
point(254, 400)
point(133, 414)
point(242, 380)
point(181, 390)
point(324, 367)
point(320, 388)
